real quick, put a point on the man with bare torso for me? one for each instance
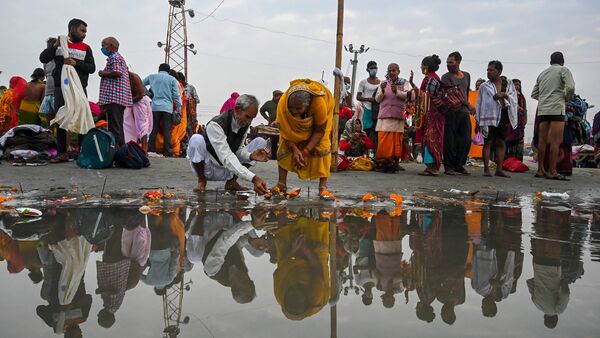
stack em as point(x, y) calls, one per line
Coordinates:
point(30, 106)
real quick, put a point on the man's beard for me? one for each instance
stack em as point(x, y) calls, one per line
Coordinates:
point(75, 38)
point(240, 122)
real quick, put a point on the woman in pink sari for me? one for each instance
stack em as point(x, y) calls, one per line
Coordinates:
point(433, 126)
point(229, 103)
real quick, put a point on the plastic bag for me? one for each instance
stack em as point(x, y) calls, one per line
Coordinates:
point(478, 139)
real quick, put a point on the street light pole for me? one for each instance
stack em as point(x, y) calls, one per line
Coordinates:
point(354, 61)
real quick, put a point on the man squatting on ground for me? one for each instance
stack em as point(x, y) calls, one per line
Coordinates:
point(219, 153)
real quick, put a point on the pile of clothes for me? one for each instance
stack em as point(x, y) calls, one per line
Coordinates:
point(577, 128)
point(28, 144)
point(596, 138)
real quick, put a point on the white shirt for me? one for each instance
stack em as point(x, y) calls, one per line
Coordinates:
point(367, 90)
point(232, 162)
point(215, 259)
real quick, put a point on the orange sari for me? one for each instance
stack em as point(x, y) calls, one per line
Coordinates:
point(178, 132)
point(475, 151)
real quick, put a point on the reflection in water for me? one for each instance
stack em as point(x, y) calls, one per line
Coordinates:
point(436, 259)
point(556, 262)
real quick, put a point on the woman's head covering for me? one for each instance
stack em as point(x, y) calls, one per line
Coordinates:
point(349, 129)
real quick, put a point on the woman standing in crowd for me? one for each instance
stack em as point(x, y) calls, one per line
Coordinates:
point(433, 128)
point(392, 96)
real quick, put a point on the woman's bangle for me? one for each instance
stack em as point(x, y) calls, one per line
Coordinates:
point(305, 153)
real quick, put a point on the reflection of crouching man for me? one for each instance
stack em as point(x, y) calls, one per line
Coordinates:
point(218, 155)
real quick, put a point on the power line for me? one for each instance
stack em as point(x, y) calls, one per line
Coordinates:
point(310, 38)
point(211, 13)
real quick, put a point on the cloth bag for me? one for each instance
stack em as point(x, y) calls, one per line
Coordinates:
point(75, 115)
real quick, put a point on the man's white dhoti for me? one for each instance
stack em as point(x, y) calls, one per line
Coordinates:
point(197, 153)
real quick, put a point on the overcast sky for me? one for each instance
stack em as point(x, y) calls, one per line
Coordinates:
point(255, 46)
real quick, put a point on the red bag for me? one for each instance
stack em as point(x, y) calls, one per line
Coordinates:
point(513, 164)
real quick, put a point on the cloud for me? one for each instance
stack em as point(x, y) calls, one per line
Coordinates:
point(576, 41)
point(491, 30)
point(425, 30)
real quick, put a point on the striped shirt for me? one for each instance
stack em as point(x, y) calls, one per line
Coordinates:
point(117, 90)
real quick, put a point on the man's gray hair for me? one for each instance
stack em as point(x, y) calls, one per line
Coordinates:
point(244, 101)
point(301, 95)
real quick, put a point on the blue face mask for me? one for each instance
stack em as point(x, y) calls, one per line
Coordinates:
point(105, 51)
point(372, 72)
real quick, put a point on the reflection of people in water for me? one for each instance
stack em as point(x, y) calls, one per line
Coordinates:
point(425, 261)
point(451, 290)
point(549, 287)
point(301, 280)
point(388, 256)
point(165, 251)
point(64, 262)
point(497, 259)
point(217, 240)
point(364, 266)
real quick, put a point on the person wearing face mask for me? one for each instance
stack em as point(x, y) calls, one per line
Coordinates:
point(79, 55)
point(392, 96)
point(457, 133)
point(115, 88)
point(220, 154)
point(366, 95)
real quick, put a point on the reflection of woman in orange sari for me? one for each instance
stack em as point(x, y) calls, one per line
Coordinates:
point(178, 132)
point(476, 151)
point(301, 280)
point(304, 116)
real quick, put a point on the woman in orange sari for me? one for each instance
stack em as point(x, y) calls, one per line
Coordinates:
point(179, 131)
point(304, 116)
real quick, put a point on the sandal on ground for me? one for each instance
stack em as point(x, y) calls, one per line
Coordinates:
point(539, 175)
point(427, 173)
point(60, 159)
point(558, 177)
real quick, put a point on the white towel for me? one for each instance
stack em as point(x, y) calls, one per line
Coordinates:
point(75, 115)
point(73, 255)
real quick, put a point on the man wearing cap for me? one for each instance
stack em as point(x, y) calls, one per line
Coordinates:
point(30, 106)
point(269, 112)
point(269, 108)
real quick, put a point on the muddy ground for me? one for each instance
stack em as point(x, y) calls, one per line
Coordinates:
point(175, 173)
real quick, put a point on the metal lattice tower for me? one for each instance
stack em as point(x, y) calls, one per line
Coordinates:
point(176, 46)
point(172, 306)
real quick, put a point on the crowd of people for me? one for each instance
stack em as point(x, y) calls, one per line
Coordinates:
point(393, 117)
point(449, 249)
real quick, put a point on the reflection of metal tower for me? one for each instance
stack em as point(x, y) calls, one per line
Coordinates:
point(172, 305)
point(176, 46)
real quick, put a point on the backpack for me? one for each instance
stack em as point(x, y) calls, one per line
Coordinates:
point(97, 150)
point(131, 156)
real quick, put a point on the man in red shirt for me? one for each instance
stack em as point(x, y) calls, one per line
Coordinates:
point(79, 56)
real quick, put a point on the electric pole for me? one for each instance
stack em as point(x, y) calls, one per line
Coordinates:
point(176, 45)
point(354, 61)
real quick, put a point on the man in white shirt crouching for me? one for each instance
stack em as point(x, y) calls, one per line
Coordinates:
point(220, 154)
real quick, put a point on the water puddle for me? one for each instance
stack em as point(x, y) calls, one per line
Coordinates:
point(161, 264)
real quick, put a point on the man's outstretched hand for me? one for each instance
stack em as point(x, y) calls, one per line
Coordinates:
point(260, 187)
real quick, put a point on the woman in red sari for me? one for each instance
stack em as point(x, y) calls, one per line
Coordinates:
point(433, 126)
